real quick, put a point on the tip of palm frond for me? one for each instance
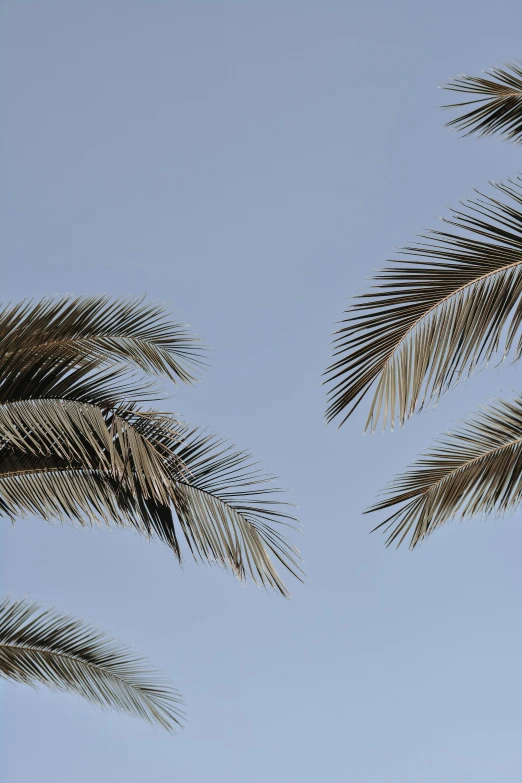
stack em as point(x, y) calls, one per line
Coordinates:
point(42, 646)
point(128, 331)
point(471, 472)
point(231, 512)
point(498, 107)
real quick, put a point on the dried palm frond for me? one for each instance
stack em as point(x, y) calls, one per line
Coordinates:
point(474, 471)
point(499, 108)
point(432, 320)
point(42, 646)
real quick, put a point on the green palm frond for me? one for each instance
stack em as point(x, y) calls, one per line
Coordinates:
point(42, 646)
point(431, 320)
point(474, 471)
point(499, 108)
point(99, 331)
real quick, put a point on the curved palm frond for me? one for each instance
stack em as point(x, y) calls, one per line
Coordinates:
point(101, 332)
point(499, 108)
point(74, 378)
point(57, 490)
point(474, 471)
point(431, 320)
point(226, 508)
point(229, 512)
point(42, 646)
point(75, 445)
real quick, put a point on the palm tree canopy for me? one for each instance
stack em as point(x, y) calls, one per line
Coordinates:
point(432, 319)
point(475, 470)
point(42, 646)
point(76, 445)
point(498, 109)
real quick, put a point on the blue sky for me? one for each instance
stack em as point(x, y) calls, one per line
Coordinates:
point(251, 163)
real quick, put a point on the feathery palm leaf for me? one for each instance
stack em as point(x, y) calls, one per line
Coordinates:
point(56, 489)
point(431, 320)
point(500, 104)
point(42, 646)
point(74, 445)
point(229, 512)
point(96, 330)
point(474, 471)
point(226, 508)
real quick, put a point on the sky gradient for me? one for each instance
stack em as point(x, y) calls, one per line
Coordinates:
point(250, 164)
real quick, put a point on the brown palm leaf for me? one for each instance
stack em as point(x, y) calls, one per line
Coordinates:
point(474, 471)
point(75, 445)
point(102, 332)
point(227, 510)
point(499, 108)
point(435, 318)
point(42, 646)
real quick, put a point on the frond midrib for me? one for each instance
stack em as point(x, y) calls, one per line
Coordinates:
point(51, 653)
point(439, 304)
point(454, 472)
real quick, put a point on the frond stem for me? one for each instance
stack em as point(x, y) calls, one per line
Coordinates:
point(442, 301)
point(471, 462)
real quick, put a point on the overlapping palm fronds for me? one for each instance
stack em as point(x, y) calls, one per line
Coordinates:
point(42, 646)
point(76, 445)
point(474, 471)
point(499, 107)
point(453, 304)
point(435, 318)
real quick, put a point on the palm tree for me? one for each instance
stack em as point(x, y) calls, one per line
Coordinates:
point(450, 305)
point(78, 445)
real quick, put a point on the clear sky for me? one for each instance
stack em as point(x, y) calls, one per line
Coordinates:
point(251, 163)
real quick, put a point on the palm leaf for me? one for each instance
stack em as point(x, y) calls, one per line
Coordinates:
point(227, 509)
point(431, 320)
point(42, 646)
point(74, 445)
point(474, 471)
point(134, 447)
point(101, 332)
point(499, 108)
point(56, 489)
point(230, 513)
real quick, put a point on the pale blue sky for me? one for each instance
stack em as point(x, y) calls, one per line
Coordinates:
point(251, 163)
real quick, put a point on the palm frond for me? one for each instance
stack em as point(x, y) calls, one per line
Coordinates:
point(230, 513)
point(431, 320)
point(226, 508)
point(133, 446)
point(42, 646)
point(62, 378)
point(58, 490)
point(75, 445)
point(101, 332)
point(474, 471)
point(499, 108)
